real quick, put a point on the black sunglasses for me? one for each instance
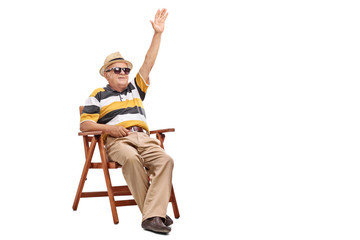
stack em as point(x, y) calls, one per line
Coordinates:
point(117, 70)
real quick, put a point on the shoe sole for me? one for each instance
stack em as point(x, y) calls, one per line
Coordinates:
point(158, 231)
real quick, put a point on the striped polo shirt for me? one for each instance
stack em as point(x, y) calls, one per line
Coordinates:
point(108, 106)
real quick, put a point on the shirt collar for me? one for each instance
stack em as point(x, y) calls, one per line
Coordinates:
point(108, 88)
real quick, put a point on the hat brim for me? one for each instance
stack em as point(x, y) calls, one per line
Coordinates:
point(102, 69)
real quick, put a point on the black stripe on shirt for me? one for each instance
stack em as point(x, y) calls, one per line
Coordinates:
point(141, 93)
point(105, 94)
point(91, 109)
point(130, 110)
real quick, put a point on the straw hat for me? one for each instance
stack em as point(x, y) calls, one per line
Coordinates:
point(113, 58)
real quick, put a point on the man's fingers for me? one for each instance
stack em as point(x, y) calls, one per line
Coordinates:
point(124, 131)
point(121, 131)
point(163, 11)
point(157, 13)
point(166, 16)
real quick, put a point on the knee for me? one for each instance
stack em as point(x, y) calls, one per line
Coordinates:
point(168, 162)
point(131, 160)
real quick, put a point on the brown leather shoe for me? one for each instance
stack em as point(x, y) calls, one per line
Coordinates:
point(155, 224)
point(168, 221)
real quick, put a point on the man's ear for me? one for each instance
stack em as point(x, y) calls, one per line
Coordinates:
point(106, 75)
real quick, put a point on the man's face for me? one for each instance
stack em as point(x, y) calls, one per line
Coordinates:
point(117, 82)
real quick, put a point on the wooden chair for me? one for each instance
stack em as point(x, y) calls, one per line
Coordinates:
point(94, 138)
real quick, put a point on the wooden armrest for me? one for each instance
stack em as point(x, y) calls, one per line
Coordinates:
point(162, 130)
point(90, 133)
point(151, 132)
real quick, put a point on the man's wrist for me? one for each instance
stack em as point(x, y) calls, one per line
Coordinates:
point(157, 33)
point(106, 129)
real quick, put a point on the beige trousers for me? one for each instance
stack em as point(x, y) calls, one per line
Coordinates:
point(136, 152)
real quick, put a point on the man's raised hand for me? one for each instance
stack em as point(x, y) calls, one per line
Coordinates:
point(159, 23)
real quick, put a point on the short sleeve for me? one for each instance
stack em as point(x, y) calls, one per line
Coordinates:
point(91, 111)
point(141, 86)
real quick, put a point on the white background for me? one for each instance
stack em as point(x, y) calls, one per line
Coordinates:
point(264, 96)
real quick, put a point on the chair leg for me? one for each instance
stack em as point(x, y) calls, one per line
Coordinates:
point(89, 156)
point(161, 138)
point(108, 181)
point(174, 203)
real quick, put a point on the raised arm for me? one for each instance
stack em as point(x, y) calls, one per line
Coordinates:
point(158, 25)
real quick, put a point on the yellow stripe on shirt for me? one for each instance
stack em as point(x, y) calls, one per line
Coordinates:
point(118, 105)
point(141, 83)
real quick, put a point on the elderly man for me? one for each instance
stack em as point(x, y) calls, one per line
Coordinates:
point(118, 111)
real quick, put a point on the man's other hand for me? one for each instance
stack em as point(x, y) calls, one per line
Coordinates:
point(117, 131)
